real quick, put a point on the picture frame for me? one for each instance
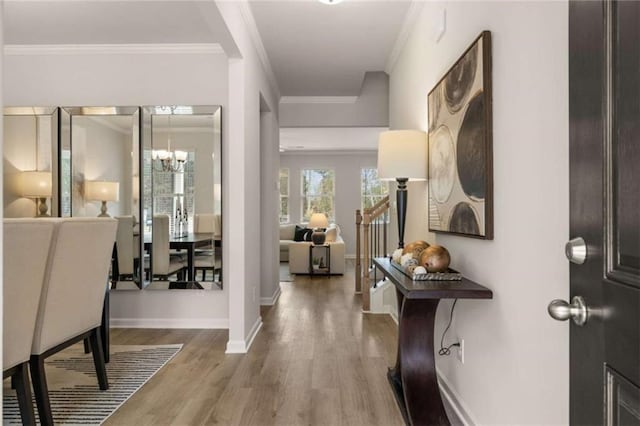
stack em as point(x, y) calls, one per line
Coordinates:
point(461, 145)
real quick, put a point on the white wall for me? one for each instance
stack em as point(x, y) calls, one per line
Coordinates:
point(347, 166)
point(516, 358)
point(270, 205)
point(99, 153)
point(124, 79)
point(371, 109)
point(248, 81)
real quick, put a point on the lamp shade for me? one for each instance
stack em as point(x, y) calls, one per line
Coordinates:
point(35, 184)
point(402, 154)
point(181, 155)
point(101, 190)
point(318, 220)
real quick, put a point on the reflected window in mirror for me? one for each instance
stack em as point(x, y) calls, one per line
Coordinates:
point(182, 147)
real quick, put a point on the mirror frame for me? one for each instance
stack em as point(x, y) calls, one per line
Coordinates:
point(146, 147)
point(54, 112)
point(65, 138)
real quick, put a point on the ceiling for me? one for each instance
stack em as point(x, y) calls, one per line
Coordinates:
point(324, 50)
point(112, 22)
point(329, 138)
point(314, 49)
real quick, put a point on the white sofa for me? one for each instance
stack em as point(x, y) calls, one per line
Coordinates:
point(297, 252)
point(287, 232)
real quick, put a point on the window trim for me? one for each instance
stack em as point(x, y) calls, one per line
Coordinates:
point(288, 195)
point(363, 195)
point(303, 195)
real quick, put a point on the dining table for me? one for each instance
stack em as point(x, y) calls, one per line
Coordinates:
point(188, 242)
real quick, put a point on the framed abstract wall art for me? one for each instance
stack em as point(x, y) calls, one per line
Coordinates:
point(460, 146)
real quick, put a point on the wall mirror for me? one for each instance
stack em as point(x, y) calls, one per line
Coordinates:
point(100, 176)
point(30, 166)
point(182, 197)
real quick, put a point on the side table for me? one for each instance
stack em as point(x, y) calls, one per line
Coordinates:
point(413, 379)
point(324, 267)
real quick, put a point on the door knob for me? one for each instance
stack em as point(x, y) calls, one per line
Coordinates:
point(562, 311)
point(576, 250)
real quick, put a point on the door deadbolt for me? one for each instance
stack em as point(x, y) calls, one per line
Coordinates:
point(576, 250)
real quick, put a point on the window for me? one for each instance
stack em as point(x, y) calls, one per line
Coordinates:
point(372, 189)
point(318, 189)
point(284, 196)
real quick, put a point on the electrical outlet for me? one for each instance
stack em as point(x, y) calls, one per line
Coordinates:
point(460, 348)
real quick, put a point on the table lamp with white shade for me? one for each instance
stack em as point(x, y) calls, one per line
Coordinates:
point(35, 184)
point(95, 190)
point(402, 156)
point(318, 223)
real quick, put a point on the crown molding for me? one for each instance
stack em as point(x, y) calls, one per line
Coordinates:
point(407, 26)
point(112, 49)
point(318, 99)
point(256, 39)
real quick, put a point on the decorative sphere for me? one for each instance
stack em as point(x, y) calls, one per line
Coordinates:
point(397, 254)
point(415, 247)
point(404, 260)
point(435, 259)
point(420, 270)
point(411, 269)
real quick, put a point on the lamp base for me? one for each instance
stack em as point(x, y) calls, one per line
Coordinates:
point(401, 201)
point(318, 237)
point(103, 210)
point(43, 208)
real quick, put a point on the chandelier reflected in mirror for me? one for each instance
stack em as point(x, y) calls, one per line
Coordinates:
point(165, 160)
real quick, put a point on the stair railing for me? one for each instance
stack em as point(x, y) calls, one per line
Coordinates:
point(371, 241)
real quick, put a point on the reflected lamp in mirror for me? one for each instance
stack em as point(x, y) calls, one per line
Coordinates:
point(35, 184)
point(402, 156)
point(318, 223)
point(103, 191)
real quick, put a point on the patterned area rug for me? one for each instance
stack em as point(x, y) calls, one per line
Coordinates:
point(73, 386)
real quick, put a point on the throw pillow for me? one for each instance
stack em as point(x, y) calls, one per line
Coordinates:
point(332, 234)
point(301, 234)
point(307, 236)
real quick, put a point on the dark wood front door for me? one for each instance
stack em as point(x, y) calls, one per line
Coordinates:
point(604, 109)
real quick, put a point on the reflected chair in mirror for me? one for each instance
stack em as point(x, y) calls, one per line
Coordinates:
point(208, 258)
point(28, 241)
point(127, 259)
point(73, 296)
point(164, 265)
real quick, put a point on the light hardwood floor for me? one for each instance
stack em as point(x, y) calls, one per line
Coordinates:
point(317, 361)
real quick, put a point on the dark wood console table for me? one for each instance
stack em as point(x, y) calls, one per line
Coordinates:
point(413, 379)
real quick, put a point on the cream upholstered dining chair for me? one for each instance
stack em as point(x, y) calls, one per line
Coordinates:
point(164, 265)
point(26, 247)
point(125, 248)
point(72, 298)
point(207, 259)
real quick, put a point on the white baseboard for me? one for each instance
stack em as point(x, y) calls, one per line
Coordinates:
point(393, 315)
point(270, 301)
point(210, 323)
point(455, 402)
point(460, 410)
point(242, 346)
